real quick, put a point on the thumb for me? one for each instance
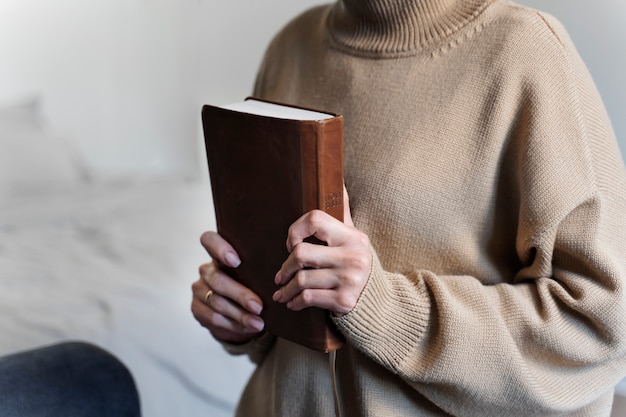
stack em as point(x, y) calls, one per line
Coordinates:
point(347, 217)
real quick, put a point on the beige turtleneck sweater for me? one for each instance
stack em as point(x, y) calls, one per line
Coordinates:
point(480, 162)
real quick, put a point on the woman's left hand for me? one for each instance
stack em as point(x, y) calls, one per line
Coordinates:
point(330, 277)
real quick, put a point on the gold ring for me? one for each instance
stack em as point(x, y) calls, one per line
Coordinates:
point(208, 295)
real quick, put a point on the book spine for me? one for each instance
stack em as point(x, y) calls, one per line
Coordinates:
point(330, 197)
point(322, 167)
point(321, 155)
point(330, 167)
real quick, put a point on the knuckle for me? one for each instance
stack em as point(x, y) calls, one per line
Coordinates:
point(205, 268)
point(345, 302)
point(360, 262)
point(299, 253)
point(196, 286)
point(349, 280)
point(215, 281)
point(211, 321)
point(218, 303)
point(307, 297)
point(300, 279)
point(363, 240)
point(316, 217)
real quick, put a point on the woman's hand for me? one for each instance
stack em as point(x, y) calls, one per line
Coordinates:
point(331, 277)
point(229, 310)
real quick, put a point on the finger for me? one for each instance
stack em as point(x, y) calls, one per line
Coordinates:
point(221, 327)
point(221, 312)
point(233, 312)
point(319, 224)
point(207, 316)
point(213, 320)
point(303, 280)
point(347, 216)
point(338, 303)
point(219, 249)
point(228, 287)
point(322, 298)
point(305, 255)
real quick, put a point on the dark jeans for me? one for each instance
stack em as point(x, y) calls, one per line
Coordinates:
point(72, 379)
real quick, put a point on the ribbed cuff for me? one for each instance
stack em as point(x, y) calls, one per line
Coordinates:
point(390, 317)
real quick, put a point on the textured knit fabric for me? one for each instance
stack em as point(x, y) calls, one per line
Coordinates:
point(480, 162)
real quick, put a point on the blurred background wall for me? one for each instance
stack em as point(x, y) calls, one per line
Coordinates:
point(124, 80)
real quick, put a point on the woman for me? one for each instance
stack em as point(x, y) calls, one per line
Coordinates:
point(481, 268)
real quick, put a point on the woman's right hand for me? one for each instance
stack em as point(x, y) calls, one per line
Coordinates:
point(230, 311)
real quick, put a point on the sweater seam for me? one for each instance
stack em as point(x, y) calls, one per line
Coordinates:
point(579, 108)
point(576, 96)
point(594, 193)
point(556, 35)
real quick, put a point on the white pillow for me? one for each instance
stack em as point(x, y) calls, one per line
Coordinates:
point(32, 160)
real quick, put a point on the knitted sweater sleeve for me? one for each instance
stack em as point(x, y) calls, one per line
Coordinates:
point(553, 339)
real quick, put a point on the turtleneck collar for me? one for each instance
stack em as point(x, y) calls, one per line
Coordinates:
point(398, 27)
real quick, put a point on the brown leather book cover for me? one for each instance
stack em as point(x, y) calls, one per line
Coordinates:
point(266, 171)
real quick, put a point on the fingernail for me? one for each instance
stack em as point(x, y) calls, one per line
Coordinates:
point(277, 278)
point(276, 296)
point(254, 307)
point(256, 323)
point(232, 259)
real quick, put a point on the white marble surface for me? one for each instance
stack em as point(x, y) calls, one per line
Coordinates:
point(113, 265)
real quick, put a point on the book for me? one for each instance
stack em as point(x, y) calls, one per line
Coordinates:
point(269, 163)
